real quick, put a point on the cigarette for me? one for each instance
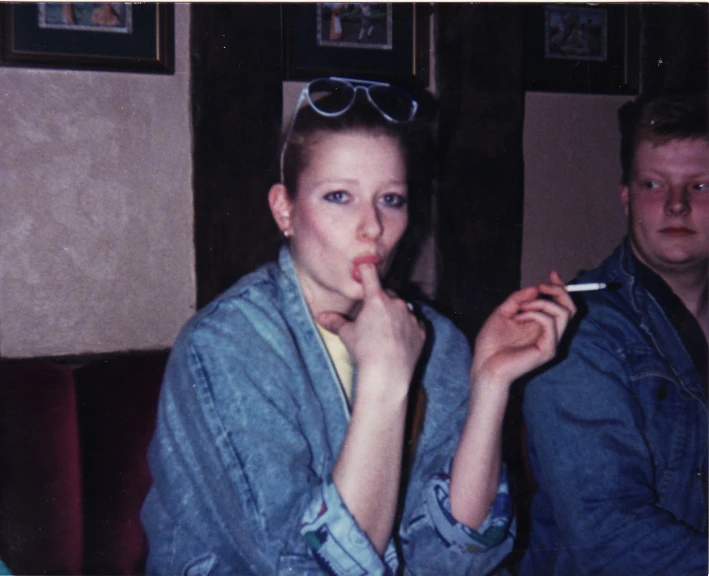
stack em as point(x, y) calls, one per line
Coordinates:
point(586, 287)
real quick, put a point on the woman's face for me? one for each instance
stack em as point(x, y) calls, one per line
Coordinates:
point(351, 207)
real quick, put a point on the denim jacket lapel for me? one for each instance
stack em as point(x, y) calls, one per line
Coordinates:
point(653, 320)
point(319, 366)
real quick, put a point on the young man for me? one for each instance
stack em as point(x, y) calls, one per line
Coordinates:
point(617, 430)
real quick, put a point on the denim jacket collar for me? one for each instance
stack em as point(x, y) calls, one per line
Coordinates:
point(302, 322)
point(651, 318)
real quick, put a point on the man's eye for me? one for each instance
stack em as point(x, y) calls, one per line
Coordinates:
point(650, 185)
point(394, 200)
point(337, 197)
point(702, 186)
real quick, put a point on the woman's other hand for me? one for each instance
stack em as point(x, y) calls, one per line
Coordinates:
point(522, 333)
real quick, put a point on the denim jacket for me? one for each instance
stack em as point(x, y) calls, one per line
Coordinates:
point(251, 420)
point(617, 440)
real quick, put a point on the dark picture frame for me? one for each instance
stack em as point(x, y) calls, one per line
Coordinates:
point(579, 48)
point(138, 38)
point(397, 50)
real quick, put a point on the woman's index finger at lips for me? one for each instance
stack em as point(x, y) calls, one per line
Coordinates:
point(369, 278)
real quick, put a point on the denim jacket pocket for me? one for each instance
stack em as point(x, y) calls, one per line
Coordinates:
point(646, 364)
point(200, 566)
point(669, 418)
point(664, 408)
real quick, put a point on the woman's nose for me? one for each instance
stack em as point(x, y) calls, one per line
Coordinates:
point(678, 199)
point(370, 223)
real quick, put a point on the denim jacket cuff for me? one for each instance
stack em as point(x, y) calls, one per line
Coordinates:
point(336, 541)
point(492, 531)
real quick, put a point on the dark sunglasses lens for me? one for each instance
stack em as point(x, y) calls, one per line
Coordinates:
point(394, 102)
point(330, 97)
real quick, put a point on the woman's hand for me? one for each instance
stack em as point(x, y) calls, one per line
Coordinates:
point(385, 341)
point(386, 338)
point(522, 333)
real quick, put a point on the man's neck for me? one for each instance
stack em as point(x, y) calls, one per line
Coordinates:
point(690, 286)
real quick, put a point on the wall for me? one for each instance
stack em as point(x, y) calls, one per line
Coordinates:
point(96, 247)
point(96, 240)
point(573, 217)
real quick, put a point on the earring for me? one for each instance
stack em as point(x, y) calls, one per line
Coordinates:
point(286, 234)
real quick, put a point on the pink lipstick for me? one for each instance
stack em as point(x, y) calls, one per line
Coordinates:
point(364, 259)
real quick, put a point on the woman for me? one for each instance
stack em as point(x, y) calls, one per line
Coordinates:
point(282, 417)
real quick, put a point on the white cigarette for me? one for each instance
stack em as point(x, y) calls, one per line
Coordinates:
point(586, 287)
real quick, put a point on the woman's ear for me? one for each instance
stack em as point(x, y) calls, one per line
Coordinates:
point(281, 206)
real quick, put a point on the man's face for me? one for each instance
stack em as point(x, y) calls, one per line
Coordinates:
point(667, 204)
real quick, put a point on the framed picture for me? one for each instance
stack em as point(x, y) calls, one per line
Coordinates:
point(378, 41)
point(118, 36)
point(582, 48)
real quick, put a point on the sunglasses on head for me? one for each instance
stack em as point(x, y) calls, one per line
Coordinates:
point(394, 104)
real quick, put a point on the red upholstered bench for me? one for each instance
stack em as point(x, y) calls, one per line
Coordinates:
point(73, 472)
point(117, 404)
point(40, 473)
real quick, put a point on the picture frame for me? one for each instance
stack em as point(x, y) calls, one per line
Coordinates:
point(582, 48)
point(377, 41)
point(124, 37)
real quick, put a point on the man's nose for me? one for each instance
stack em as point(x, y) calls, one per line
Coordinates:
point(678, 199)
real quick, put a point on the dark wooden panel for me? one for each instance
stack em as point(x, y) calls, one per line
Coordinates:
point(236, 118)
point(480, 189)
point(674, 46)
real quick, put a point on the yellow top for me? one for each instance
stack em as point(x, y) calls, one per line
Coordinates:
point(340, 358)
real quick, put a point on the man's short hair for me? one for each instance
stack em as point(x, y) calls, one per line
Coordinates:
point(659, 118)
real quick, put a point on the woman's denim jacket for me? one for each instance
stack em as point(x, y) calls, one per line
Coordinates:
point(250, 424)
point(617, 440)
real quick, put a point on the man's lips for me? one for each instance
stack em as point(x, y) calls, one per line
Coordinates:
point(676, 231)
point(364, 259)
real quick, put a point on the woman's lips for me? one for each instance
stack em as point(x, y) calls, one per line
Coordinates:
point(364, 259)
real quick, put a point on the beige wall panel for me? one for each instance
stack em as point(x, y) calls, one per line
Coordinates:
point(572, 212)
point(96, 224)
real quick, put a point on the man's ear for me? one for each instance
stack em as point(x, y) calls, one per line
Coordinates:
point(281, 206)
point(625, 198)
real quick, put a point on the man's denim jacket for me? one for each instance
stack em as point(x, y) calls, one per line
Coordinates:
point(250, 424)
point(617, 440)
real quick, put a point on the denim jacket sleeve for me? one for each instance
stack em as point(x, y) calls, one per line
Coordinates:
point(433, 542)
point(235, 479)
point(591, 459)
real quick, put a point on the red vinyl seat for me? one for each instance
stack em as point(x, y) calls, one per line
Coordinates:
point(73, 467)
point(40, 472)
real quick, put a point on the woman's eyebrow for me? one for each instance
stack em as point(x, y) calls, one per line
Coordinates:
point(335, 181)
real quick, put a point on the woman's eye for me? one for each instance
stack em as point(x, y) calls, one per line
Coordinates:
point(337, 197)
point(702, 186)
point(394, 200)
point(650, 185)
